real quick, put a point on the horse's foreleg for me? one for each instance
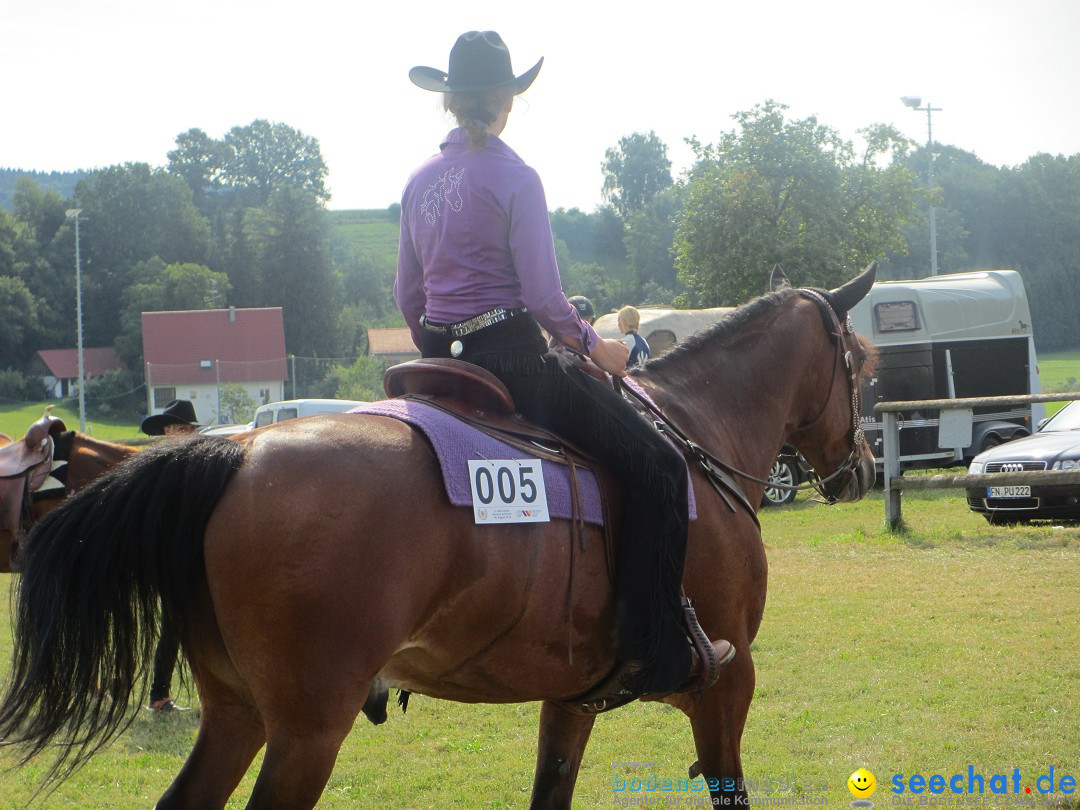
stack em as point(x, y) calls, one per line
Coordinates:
point(718, 720)
point(563, 736)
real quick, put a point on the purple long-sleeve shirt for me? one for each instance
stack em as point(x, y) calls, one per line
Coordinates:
point(475, 236)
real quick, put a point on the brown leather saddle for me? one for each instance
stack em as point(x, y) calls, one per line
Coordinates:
point(33, 452)
point(24, 466)
point(478, 397)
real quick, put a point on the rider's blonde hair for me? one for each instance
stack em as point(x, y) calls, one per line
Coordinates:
point(475, 111)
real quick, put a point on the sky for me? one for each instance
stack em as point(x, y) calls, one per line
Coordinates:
point(93, 83)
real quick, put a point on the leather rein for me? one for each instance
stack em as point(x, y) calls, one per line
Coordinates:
point(720, 473)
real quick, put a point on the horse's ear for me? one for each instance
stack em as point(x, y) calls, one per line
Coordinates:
point(778, 279)
point(845, 297)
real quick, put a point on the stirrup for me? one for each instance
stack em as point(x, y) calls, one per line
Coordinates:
point(711, 655)
point(610, 693)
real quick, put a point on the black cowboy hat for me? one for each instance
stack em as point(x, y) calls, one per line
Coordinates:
point(479, 60)
point(177, 412)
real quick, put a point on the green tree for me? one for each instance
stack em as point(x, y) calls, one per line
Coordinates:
point(199, 161)
point(635, 171)
point(158, 287)
point(41, 211)
point(8, 237)
point(45, 259)
point(788, 192)
point(129, 214)
point(116, 395)
point(1043, 220)
point(650, 236)
point(362, 380)
point(265, 156)
point(245, 166)
point(237, 405)
point(289, 240)
point(18, 319)
point(17, 387)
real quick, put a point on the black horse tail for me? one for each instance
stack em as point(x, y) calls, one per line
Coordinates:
point(87, 608)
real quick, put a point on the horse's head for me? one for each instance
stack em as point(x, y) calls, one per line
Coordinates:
point(832, 440)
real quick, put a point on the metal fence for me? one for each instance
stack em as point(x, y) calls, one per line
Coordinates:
point(896, 483)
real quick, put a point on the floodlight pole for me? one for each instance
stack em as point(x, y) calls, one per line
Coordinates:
point(73, 213)
point(913, 102)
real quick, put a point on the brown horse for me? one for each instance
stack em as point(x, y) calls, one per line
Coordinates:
point(320, 556)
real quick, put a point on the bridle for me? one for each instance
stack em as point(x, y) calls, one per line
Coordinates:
point(720, 473)
point(842, 332)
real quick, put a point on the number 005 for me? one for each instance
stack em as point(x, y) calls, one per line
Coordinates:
point(503, 480)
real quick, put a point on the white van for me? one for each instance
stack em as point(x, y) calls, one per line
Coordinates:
point(294, 408)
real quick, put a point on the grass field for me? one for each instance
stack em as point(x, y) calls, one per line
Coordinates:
point(954, 644)
point(1059, 371)
point(15, 419)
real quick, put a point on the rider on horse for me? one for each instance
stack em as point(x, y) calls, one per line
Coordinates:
point(477, 280)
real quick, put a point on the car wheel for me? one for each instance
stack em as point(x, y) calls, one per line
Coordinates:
point(993, 440)
point(782, 472)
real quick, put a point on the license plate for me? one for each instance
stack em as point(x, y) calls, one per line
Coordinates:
point(1008, 492)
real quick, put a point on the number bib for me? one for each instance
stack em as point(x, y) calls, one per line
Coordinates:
point(510, 491)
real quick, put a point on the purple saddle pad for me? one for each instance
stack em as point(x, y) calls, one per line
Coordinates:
point(457, 442)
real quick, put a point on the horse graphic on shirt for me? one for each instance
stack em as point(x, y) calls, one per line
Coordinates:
point(446, 189)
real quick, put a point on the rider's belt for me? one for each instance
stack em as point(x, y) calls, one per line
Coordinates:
point(463, 328)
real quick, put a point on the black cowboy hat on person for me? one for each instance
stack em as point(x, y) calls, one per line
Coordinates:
point(479, 61)
point(177, 412)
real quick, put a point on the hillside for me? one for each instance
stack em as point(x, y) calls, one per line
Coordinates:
point(63, 182)
point(369, 232)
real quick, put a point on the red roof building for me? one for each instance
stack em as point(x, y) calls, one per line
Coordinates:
point(392, 345)
point(59, 368)
point(191, 354)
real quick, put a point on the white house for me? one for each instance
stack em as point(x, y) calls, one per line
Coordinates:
point(59, 368)
point(192, 354)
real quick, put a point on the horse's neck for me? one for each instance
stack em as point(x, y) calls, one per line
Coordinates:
point(737, 399)
point(91, 458)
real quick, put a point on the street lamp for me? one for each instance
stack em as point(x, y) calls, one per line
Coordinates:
point(913, 102)
point(73, 213)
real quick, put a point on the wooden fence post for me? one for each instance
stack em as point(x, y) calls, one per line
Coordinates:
point(891, 467)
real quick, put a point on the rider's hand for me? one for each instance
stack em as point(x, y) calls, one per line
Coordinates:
point(611, 355)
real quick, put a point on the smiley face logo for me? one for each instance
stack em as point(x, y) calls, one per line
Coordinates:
point(862, 784)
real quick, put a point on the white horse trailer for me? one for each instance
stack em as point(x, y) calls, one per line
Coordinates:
point(943, 337)
point(948, 337)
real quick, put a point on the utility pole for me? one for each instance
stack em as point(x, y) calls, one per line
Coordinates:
point(914, 103)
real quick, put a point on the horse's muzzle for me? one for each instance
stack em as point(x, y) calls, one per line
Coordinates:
point(860, 479)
